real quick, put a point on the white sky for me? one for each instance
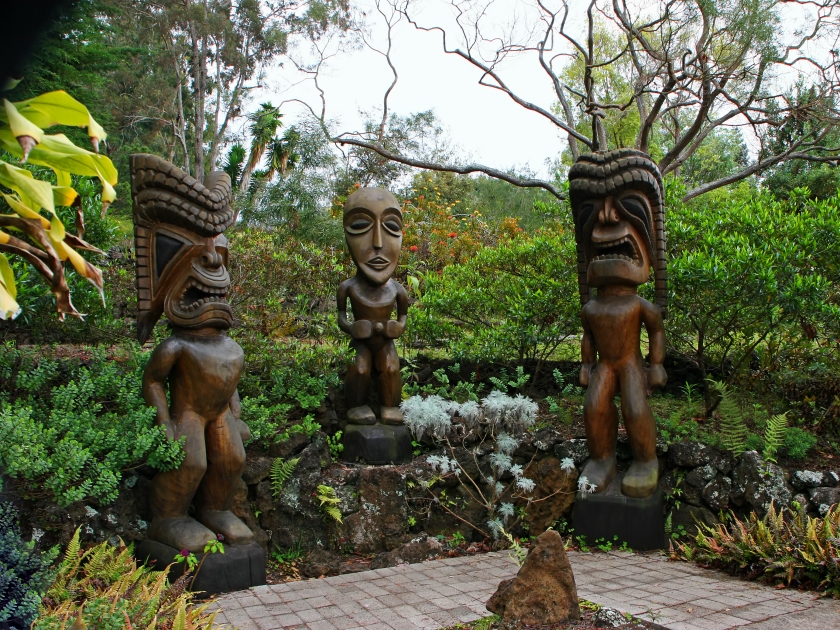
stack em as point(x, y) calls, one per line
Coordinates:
point(484, 124)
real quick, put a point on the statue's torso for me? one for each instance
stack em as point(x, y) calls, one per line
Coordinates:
point(374, 304)
point(616, 323)
point(205, 375)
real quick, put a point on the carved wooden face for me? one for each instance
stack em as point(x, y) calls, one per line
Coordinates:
point(191, 278)
point(373, 229)
point(617, 245)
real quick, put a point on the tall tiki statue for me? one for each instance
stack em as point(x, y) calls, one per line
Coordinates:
point(373, 228)
point(181, 272)
point(617, 204)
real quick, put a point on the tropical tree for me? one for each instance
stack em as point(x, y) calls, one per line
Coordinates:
point(264, 124)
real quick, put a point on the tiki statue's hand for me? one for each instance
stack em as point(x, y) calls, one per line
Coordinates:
point(362, 329)
point(394, 329)
point(657, 376)
point(585, 371)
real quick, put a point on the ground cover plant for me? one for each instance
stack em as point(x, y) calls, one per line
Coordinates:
point(786, 547)
point(70, 427)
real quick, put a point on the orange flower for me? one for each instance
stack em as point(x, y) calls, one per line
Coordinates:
point(453, 235)
point(413, 248)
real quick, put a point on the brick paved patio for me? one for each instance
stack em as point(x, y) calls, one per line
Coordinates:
point(431, 595)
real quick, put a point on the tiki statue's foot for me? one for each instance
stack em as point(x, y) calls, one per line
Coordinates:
point(181, 533)
point(599, 472)
point(640, 481)
point(391, 415)
point(228, 525)
point(361, 415)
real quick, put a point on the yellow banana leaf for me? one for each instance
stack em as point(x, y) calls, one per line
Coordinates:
point(9, 307)
point(83, 268)
point(25, 211)
point(21, 181)
point(64, 195)
point(55, 108)
point(59, 108)
point(19, 125)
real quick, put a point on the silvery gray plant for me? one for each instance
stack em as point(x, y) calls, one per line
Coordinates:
point(497, 420)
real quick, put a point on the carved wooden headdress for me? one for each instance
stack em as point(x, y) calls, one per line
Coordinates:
point(177, 220)
point(608, 173)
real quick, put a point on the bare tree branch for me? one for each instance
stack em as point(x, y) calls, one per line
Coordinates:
point(464, 169)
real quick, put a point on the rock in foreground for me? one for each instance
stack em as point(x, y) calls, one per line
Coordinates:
point(544, 591)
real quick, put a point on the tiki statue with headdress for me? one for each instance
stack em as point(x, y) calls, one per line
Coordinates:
point(617, 204)
point(182, 259)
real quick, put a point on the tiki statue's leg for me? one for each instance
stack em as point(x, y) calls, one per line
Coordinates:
point(390, 383)
point(600, 418)
point(357, 385)
point(640, 481)
point(225, 463)
point(173, 490)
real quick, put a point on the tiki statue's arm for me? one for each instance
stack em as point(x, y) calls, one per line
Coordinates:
point(652, 318)
point(359, 329)
point(587, 350)
point(236, 410)
point(395, 328)
point(154, 382)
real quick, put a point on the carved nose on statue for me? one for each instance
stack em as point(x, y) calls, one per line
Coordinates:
point(211, 260)
point(608, 214)
point(377, 236)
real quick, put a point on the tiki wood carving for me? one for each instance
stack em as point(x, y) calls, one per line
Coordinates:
point(617, 205)
point(182, 259)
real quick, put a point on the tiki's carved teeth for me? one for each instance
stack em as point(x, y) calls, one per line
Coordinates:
point(197, 294)
point(625, 248)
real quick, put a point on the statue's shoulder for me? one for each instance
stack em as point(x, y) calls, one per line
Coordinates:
point(396, 287)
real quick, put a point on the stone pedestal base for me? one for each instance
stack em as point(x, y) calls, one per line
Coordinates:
point(376, 444)
point(638, 522)
point(238, 568)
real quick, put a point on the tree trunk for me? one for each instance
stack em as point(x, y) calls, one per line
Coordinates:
point(199, 51)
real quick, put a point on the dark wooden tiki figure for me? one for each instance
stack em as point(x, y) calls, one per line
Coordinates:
point(617, 204)
point(181, 272)
point(373, 228)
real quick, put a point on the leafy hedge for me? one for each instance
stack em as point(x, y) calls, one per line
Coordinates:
point(69, 427)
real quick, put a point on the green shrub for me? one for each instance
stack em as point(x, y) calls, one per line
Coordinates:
point(72, 441)
point(748, 274)
point(24, 572)
point(515, 301)
point(798, 442)
point(787, 547)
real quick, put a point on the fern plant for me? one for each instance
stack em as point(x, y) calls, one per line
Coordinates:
point(103, 588)
point(774, 436)
point(328, 502)
point(280, 473)
point(733, 430)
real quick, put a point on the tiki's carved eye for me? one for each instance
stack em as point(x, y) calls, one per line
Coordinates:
point(637, 207)
point(166, 248)
point(393, 225)
point(359, 224)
